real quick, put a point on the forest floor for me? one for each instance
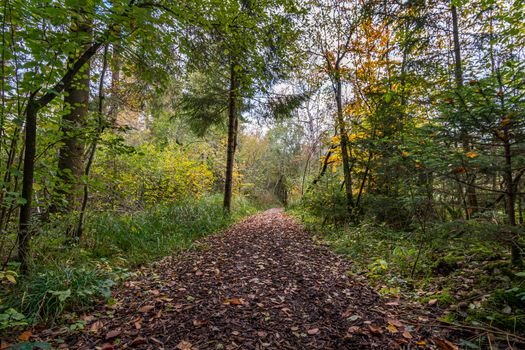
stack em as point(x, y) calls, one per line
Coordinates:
point(264, 283)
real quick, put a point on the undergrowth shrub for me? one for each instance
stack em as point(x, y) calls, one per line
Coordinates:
point(327, 201)
point(44, 295)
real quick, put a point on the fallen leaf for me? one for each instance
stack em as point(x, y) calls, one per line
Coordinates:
point(96, 326)
point(313, 331)
point(107, 346)
point(262, 334)
point(396, 323)
point(113, 334)
point(294, 328)
point(137, 325)
point(138, 341)
point(25, 336)
point(432, 302)
point(156, 340)
point(375, 329)
point(407, 335)
point(4, 345)
point(354, 329)
point(444, 344)
point(146, 308)
point(199, 323)
point(184, 345)
point(392, 328)
point(234, 301)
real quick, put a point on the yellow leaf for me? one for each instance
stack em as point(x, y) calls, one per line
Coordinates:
point(472, 154)
point(391, 328)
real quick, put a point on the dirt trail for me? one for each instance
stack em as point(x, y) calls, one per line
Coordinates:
point(262, 284)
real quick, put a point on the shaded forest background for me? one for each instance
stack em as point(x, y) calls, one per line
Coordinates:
point(394, 130)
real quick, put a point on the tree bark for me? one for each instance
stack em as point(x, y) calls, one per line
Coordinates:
point(510, 200)
point(233, 121)
point(471, 195)
point(24, 232)
point(71, 153)
point(93, 148)
point(344, 142)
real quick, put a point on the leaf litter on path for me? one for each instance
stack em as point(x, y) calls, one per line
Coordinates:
point(261, 284)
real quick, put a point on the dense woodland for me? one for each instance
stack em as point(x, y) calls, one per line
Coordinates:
point(393, 130)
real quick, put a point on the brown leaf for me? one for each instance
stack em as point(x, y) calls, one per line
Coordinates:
point(184, 345)
point(113, 334)
point(396, 323)
point(444, 344)
point(354, 329)
point(96, 326)
point(25, 336)
point(156, 340)
point(88, 318)
point(107, 346)
point(432, 302)
point(138, 341)
point(146, 308)
point(407, 335)
point(375, 329)
point(262, 334)
point(313, 331)
point(137, 325)
point(4, 345)
point(199, 323)
point(234, 301)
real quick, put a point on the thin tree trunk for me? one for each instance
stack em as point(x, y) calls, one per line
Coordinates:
point(344, 143)
point(471, 195)
point(93, 148)
point(232, 138)
point(510, 200)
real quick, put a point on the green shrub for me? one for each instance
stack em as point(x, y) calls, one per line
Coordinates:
point(327, 201)
point(145, 236)
point(44, 295)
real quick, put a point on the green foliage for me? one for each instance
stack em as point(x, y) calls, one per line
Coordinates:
point(150, 174)
point(144, 236)
point(10, 318)
point(327, 201)
point(44, 295)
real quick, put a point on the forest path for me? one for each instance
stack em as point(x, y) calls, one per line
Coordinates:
point(261, 284)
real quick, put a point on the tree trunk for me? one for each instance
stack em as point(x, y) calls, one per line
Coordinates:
point(93, 148)
point(233, 121)
point(344, 144)
point(71, 154)
point(471, 196)
point(510, 200)
point(24, 232)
